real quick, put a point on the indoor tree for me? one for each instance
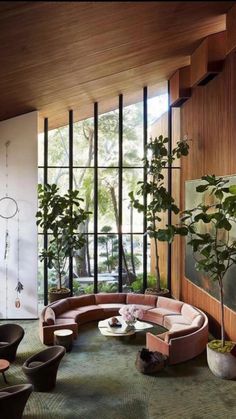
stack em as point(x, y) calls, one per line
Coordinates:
point(209, 228)
point(159, 200)
point(60, 216)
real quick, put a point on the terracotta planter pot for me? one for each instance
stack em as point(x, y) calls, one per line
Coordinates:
point(58, 294)
point(222, 365)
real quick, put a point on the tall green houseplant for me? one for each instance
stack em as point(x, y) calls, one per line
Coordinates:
point(60, 216)
point(159, 200)
point(214, 250)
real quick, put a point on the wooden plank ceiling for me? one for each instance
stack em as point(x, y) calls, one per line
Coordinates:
point(57, 56)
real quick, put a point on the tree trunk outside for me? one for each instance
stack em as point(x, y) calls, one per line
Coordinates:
point(130, 277)
point(132, 239)
point(107, 252)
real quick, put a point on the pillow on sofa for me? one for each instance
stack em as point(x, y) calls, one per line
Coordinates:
point(189, 312)
point(49, 316)
point(170, 304)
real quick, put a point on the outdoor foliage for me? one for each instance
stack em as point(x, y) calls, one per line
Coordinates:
point(108, 199)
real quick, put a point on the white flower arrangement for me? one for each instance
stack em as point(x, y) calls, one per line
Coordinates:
point(131, 313)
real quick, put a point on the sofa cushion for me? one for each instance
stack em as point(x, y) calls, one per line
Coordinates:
point(61, 321)
point(176, 332)
point(70, 314)
point(49, 316)
point(156, 315)
point(149, 300)
point(106, 298)
point(90, 313)
point(198, 321)
point(60, 306)
point(189, 312)
point(163, 311)
point(174, 306)
point(109, 307)
point(173, 319)
point(81, 301)
point(88, 308)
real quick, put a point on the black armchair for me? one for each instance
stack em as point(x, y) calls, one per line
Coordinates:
point(41, 368)
point(13, 400)
point(10, 337)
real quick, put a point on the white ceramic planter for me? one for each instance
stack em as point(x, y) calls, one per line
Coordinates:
point(221, 365)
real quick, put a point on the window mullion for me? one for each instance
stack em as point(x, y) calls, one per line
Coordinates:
point(145, 134)
point(95, 197)
point(71, 188)
point(120, 238)
point(45, 235)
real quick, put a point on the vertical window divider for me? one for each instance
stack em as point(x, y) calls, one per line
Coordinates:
point(145, 134)
point(45, 235)
point(95, 197)
point(120, 239)
point(71, 189)
point(169, 174)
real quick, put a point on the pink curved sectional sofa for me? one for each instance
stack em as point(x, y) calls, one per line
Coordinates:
point(187, 333)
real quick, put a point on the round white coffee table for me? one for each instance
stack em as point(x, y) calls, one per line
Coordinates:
point(64, 337)
point(106, 330)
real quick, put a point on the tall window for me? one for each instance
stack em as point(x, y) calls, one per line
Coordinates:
point(106, 165)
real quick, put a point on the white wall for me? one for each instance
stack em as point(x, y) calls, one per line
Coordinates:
point(22, 132)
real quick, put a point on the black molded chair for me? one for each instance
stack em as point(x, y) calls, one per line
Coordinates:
point(13, 400)
point(41, 368)
point(10, 337)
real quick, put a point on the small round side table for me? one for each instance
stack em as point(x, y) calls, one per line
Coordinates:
point(64, 337)
point(4, 365)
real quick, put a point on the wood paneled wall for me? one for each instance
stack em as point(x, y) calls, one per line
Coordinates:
point(209, 119)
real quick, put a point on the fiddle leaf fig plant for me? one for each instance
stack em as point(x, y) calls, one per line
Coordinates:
point(60, 216)
point(159, 199)
point(214, 251)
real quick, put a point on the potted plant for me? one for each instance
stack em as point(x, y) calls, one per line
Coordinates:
point(215, 253)
point(60, 216)
point(159, 200)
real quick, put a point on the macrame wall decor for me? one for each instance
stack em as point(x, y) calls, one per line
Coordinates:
point(8, 210)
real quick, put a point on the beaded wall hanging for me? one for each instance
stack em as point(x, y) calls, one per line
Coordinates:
point(9, 209)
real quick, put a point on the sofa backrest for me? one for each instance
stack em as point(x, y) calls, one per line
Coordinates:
point(81, 301)
point(60, 306)
point(149, 300)
point(106, 298)
point(170, 304)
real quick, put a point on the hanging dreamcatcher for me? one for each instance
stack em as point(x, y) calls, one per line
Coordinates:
point(8, 210)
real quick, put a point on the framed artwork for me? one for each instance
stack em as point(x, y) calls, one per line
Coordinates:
point(192, 199)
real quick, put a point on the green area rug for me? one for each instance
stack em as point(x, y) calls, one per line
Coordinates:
point(98, 380)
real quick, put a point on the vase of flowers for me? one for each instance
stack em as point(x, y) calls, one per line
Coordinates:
point(130, 314)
